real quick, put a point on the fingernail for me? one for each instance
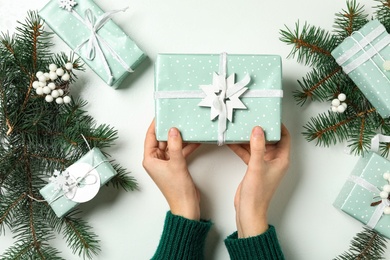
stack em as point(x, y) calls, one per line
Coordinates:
point(258, 131)
point(173, 132)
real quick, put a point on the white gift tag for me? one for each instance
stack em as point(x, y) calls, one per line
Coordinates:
point(89, 182)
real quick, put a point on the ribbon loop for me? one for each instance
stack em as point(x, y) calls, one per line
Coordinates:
point(95, 42)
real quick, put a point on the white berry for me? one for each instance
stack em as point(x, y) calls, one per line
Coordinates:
point(53, 67)
point(387, 210)
point(334, 109)
point(42, 78)
point(386, 65)
point(46, 90)
point(386, 176)
point(61, 92)
point(39, 90)
point(65, 77)
point(344, 105)
point(384, 194)
point(341, 109)
point(47, 75)
point(49, 98)
point(342, 97)
point(67, 99)
point(386, 188)
point(53, 75)
point(39, 73)
point(52, 85)
point(335, 102)
point(69, 66)
point(35, 84)
point(60, 71)
point(42, 84)
point(55, 94)
point(59, 100)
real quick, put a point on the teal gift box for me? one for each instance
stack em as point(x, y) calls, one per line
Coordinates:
point(360, 195)
point(101, 43)
point(93, 162)
point(189, 95)
point(362, 56)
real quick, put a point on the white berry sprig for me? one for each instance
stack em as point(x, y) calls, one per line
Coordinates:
point(385, 193)
point(51, 84)
point(338, 104)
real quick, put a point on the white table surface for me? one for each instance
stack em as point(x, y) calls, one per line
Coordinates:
point(129, 224)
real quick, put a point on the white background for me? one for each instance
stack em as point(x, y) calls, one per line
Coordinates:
point(130, 224)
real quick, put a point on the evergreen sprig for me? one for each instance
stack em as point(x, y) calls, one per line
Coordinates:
point(312, 46)
point(366, 245)
point(38, 137)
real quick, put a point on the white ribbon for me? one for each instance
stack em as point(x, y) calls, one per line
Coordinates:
point(360, 46)
point(95, 42)
point(379, 138)
point(362, 43)
point(376, 216)
point(223, 96)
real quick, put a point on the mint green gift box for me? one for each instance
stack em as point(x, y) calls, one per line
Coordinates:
point(355, 200)
point(60, 204)
point(121, 53)
point(176, 74)
point(362, 56)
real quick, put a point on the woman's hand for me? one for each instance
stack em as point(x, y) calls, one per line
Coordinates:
point(166, 164)
point(267, 165)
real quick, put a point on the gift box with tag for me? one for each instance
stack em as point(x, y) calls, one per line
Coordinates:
point(79, 183)
point(365, 195)
point(91, 33)
point(365, 57)
point(218, 98)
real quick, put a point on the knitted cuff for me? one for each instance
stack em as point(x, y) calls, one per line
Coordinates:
point(264, 246)
point(182, 238)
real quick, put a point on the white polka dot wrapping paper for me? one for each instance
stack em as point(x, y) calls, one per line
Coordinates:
point(98, 164)
point(187, 74)
point(101, 43)
point(362, 203)
point(362, 56)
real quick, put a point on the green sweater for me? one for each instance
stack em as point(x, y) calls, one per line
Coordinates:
point(184, 239)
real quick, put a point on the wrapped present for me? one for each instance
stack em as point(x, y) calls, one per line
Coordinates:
point(365, 195)
point(91, 33)
point(365, 57)
point(79, 183)
point(218, 98)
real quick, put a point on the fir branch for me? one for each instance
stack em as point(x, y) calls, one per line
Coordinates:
point(122, 179)
point(330, 128)
point(382, 12)
point(319, 84)
point(366, 245)
point(311, 45)
point(350, 20)
point(79, 236)
point(7, 209)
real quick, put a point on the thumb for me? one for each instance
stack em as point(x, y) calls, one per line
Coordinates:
point(175, 144)
point(257, 147)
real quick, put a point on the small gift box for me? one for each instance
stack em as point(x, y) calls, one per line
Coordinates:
point(365, 195)
point(365, 57)
point(79, 183)
point(91, 33)
point(218, 98)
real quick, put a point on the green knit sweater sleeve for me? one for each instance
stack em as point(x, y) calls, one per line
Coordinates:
point(262, 247)
point(182, 238)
